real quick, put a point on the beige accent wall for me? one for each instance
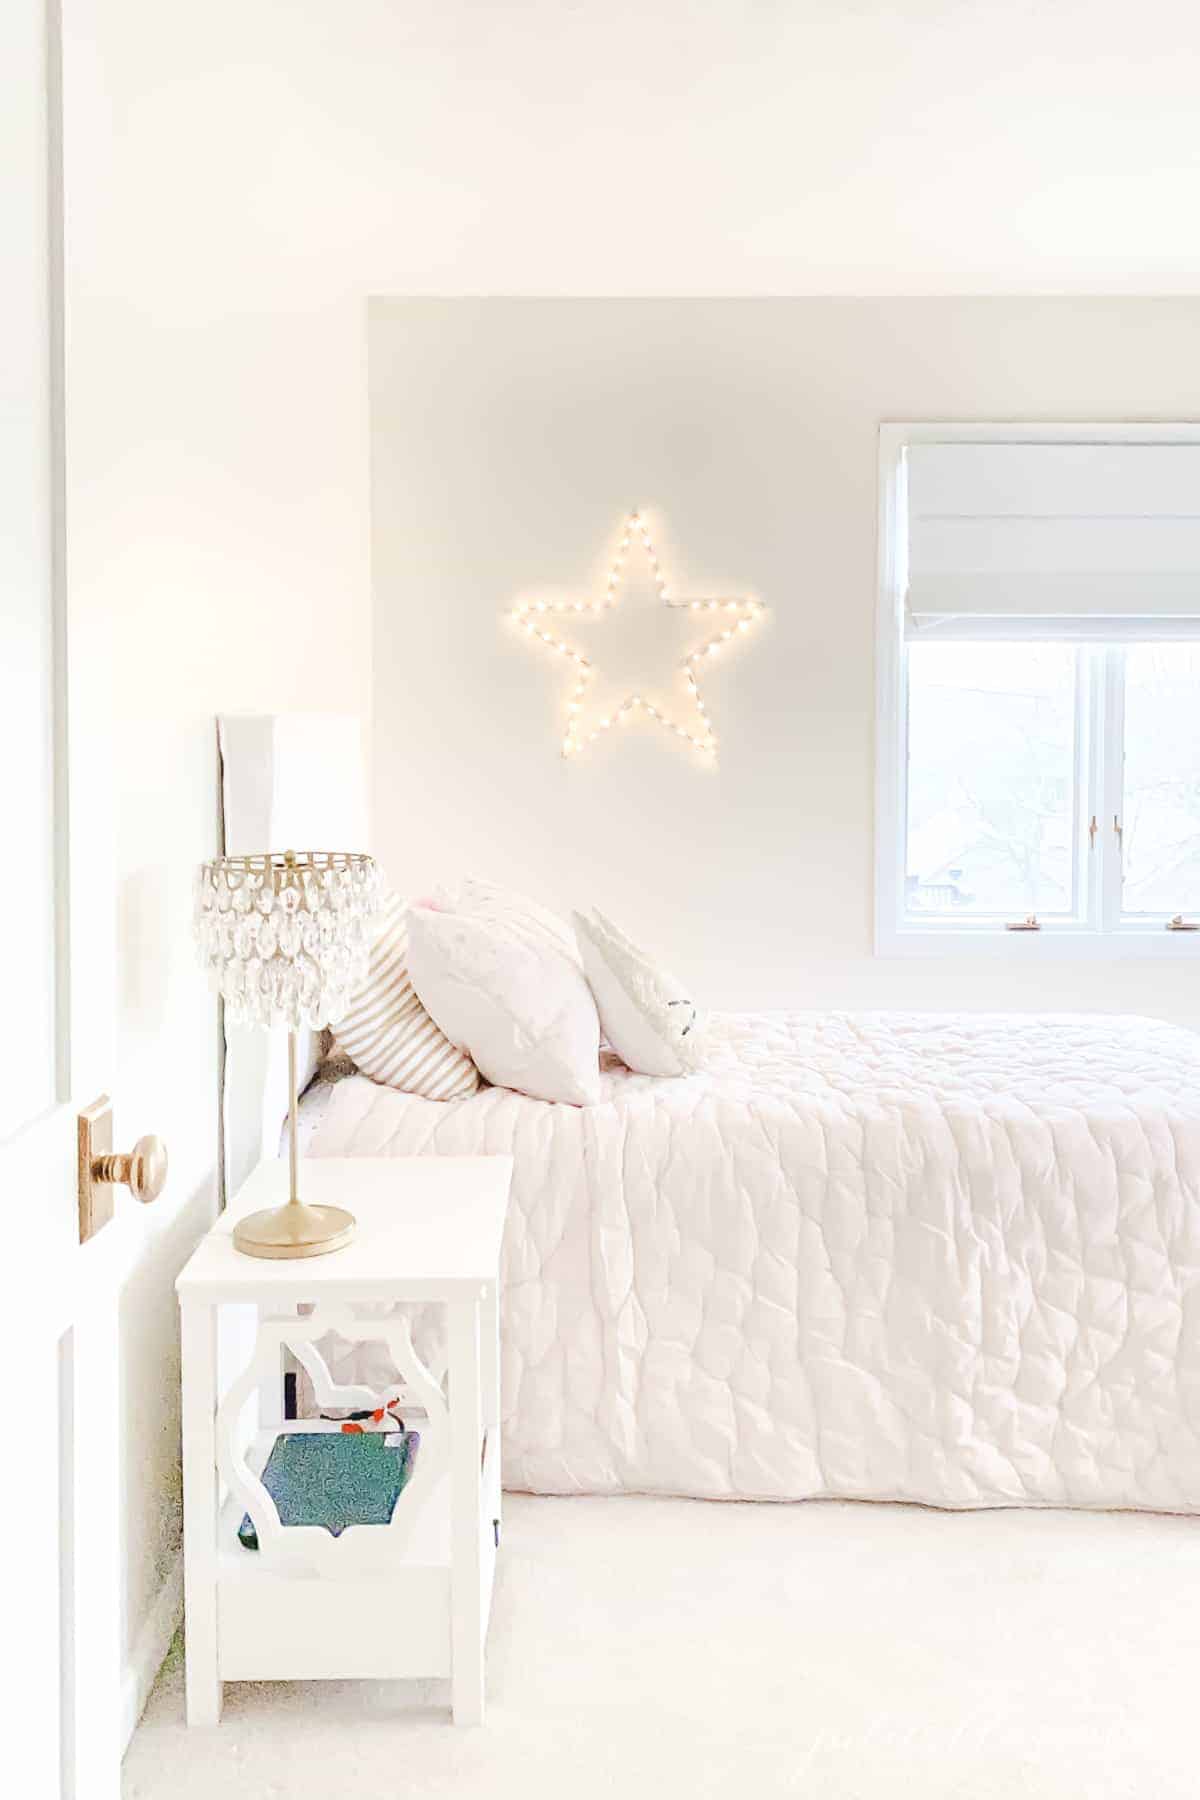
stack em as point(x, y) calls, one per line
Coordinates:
point(510, 436)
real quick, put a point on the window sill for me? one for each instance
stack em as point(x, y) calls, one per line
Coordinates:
point(1054, 943)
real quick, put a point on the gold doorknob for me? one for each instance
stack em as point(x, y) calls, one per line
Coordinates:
point(143, 1171)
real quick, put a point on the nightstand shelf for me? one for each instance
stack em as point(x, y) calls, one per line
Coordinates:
point(411, 1598)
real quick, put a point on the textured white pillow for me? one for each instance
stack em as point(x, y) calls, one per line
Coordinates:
point(388, 1034)
point(524, 918)
point(500, 976)
point(646, 1014)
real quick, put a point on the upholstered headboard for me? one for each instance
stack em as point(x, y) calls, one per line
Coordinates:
point(289, 781)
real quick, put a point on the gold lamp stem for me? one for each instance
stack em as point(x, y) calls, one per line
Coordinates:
point(293, 1125)
point(294, 1229)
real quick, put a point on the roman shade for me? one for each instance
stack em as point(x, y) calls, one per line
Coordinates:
point(1091, 542)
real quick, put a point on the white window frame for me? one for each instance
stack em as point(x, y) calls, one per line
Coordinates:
point(1101, 935)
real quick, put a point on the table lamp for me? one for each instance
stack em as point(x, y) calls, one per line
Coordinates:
point(285, 938)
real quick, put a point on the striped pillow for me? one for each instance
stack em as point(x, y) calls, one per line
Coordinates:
point(387, 1032)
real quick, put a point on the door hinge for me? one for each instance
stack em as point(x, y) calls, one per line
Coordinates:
point(1093, 828)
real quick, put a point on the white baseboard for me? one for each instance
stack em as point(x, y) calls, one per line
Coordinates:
point(153, 1641)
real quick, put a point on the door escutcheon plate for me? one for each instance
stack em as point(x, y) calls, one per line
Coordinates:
point(95, 1139)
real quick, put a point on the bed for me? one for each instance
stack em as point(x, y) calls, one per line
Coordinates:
point(950, 1259)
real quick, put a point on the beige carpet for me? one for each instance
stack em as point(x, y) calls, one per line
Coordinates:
point(669, 1647)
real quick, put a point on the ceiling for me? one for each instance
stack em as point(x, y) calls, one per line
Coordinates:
point(689, 146)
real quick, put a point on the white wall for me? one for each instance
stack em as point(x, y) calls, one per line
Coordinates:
point(217, 529)
point(510, 437)
point(200, 533)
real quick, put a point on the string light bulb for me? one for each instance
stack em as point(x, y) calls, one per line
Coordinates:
point(747, 612)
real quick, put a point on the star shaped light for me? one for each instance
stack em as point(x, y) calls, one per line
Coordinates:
point(733, 618)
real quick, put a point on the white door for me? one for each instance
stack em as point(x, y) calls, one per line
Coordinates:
point(59, 1472)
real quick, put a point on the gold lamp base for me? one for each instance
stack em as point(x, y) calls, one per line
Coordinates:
point(294, 1229)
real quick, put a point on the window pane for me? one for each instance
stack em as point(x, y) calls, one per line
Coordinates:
point(991, 780)
point(1161, 845)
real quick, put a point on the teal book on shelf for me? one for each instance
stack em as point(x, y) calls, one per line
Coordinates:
point(335, 1479)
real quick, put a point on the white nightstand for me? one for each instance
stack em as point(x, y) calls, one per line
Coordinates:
point(410, 1598)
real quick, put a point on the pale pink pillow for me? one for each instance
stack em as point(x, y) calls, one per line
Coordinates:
point(502, 979)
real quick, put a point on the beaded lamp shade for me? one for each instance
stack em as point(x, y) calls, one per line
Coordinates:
point(285, 938)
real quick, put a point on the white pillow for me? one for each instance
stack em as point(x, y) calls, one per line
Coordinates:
point(646, 1014)
point(386, 1031)
point(524, 918)
point(500, 977)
